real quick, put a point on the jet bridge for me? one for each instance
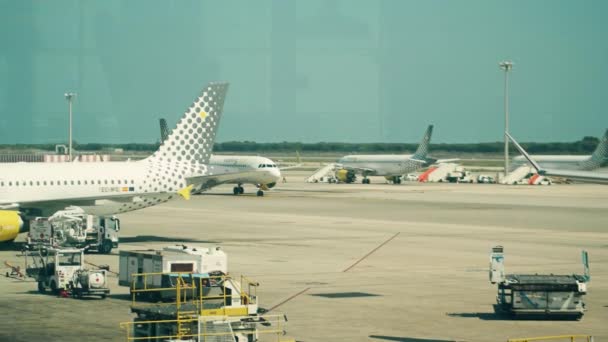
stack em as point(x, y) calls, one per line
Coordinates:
point(538, 295)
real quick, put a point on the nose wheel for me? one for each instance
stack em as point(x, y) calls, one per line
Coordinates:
point(260, 193)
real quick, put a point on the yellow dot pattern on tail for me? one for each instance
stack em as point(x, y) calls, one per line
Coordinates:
point(191, 141)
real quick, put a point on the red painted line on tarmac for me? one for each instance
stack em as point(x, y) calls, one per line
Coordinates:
point(371, 252)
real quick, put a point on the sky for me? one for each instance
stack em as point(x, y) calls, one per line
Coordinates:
point(308, 71)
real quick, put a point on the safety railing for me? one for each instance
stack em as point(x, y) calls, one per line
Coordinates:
point(192, 291)
point(202, 328)
point(571, 338)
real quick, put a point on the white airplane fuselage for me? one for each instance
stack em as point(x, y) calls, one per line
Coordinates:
point(265, 171)
point(564, 162)
point(382, 164)
point(122, 186)
point(597, 159)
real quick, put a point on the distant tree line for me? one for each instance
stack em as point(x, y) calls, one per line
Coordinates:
point(584, 146)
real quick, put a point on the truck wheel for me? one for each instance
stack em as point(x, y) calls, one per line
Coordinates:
point(106, 247)
point(54, 289)
point(41, 287)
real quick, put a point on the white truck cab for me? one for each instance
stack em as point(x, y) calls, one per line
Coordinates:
point(54, 268)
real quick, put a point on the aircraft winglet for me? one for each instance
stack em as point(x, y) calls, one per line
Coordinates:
point(185, 192)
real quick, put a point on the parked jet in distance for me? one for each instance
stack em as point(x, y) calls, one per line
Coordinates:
point(180, 164)
point(259, 171)
point(571, 162)
point(391, 166)
point(575, 175)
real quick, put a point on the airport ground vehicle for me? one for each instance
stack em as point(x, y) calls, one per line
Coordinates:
point(459, 176)
point(194, 299)
point(538, 295)
point(73, 228)
point(411, 177)
point(485, 179)
point(164, 267)
point(347, 176)
point(212, 308)
point(63, 270)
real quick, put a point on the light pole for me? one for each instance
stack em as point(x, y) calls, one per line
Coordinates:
point(506, 66)
point(70, 97)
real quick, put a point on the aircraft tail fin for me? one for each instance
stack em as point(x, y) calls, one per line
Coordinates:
point(423, 148)
point(191, 141)
point(599, 156)
point(164, 131)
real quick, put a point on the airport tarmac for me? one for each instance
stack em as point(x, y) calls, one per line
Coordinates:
point(357, 262)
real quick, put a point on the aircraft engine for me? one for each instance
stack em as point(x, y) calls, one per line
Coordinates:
point(11, 224)
point(271, 185)
point(345, 176)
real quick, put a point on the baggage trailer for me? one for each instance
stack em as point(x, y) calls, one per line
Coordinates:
point(544, 296)
point(163, 268)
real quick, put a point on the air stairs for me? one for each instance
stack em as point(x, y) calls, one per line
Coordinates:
point(439, 173)
point(325, 174)
point(517, 175)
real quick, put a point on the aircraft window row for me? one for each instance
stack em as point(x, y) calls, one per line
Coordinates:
point(65, 182)
point(261, 166)
point(231, 165)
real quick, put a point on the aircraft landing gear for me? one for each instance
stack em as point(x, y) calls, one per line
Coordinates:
point(397, 180)
point(365, 181)
point(260, 193)
point(238, 190)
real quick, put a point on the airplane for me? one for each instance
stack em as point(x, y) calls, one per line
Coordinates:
point(259, 171)
point(179, 165)
point(596, 160)
point(391, 166)
point(575, 175)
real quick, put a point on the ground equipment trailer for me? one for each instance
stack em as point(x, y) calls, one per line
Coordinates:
point(73, 228)
point(163, 267)
point(538, 295)
point(227, 311)
point(62, 270)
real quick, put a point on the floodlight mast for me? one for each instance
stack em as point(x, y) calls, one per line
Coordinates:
point(506, 66)
point(70, 97)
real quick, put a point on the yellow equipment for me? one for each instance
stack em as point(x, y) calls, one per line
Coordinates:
point(11, 224)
